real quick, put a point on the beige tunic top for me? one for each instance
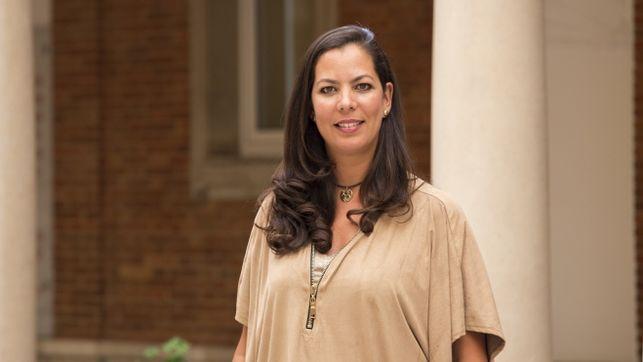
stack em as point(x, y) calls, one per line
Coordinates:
point(405, 292)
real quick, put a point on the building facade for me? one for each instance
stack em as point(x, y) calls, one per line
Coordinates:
point(151, 149)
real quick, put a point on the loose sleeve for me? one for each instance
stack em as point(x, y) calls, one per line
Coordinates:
point(461, 298)
point(249, 279)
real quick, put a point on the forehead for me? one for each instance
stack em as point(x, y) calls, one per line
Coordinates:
point(349, 59)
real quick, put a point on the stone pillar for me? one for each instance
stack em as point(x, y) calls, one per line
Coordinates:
point(17, 185)
point(490, 152)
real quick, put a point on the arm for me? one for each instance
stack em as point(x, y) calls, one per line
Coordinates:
point(240, 352)
point(472, 347)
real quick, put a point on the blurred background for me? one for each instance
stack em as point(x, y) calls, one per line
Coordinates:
point(156, 124)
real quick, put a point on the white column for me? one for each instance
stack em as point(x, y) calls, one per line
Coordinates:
point(490, 152)
point(17, 185)
point(590, 111)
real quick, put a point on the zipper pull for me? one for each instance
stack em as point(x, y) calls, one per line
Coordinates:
point(313, 301)
point(312, 307)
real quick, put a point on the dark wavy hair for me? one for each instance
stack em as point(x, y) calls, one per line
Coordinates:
point(303, 206)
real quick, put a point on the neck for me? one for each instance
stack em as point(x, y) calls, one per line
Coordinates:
point(351, 170)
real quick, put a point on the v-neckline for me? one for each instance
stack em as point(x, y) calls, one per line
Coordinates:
point(327, 273)
point(337, 259)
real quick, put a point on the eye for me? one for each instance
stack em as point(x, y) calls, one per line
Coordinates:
point(327, 90)
point(363, 87)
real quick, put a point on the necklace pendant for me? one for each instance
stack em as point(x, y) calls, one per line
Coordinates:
point(346, 195)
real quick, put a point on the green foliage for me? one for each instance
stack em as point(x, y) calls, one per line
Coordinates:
point(173, 350)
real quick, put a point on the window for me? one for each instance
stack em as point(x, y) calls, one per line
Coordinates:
point(244, 57)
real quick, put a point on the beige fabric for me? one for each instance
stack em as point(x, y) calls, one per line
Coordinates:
point(404, 293)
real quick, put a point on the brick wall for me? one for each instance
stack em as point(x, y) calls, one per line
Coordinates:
point(77, 180)
point(638, 157)
point(135, 257)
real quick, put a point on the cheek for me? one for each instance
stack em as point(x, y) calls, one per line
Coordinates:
point(372, 105)
point(323, 108)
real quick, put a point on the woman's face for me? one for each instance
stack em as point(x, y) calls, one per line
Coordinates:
point(349, 102)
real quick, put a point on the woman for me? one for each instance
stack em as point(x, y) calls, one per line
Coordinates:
point(352, 257)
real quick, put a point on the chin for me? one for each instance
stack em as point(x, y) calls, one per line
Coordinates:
point(352, 150)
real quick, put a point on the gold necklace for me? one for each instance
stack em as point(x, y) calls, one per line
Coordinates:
point(346, 192)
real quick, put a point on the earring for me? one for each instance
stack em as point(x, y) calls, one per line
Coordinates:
point(385, 113)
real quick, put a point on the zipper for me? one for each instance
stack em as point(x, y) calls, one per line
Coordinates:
point(314, 287)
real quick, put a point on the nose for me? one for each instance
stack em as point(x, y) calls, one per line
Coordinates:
point(346, 101)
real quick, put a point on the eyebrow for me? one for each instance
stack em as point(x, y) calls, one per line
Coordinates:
point(332, 81)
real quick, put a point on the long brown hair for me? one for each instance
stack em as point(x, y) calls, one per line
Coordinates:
point(303, 206)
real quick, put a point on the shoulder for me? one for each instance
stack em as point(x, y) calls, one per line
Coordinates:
point(429, 198)
point(446, 215)
point(264, 207)
point(257, 240)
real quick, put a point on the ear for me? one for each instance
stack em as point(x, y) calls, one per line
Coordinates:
point(388, 95)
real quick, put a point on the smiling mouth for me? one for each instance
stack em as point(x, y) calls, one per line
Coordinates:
point(348, 124)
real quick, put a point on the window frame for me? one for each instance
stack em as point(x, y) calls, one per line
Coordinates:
point(214, 177)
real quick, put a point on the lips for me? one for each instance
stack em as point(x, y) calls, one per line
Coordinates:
point(348, 124)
